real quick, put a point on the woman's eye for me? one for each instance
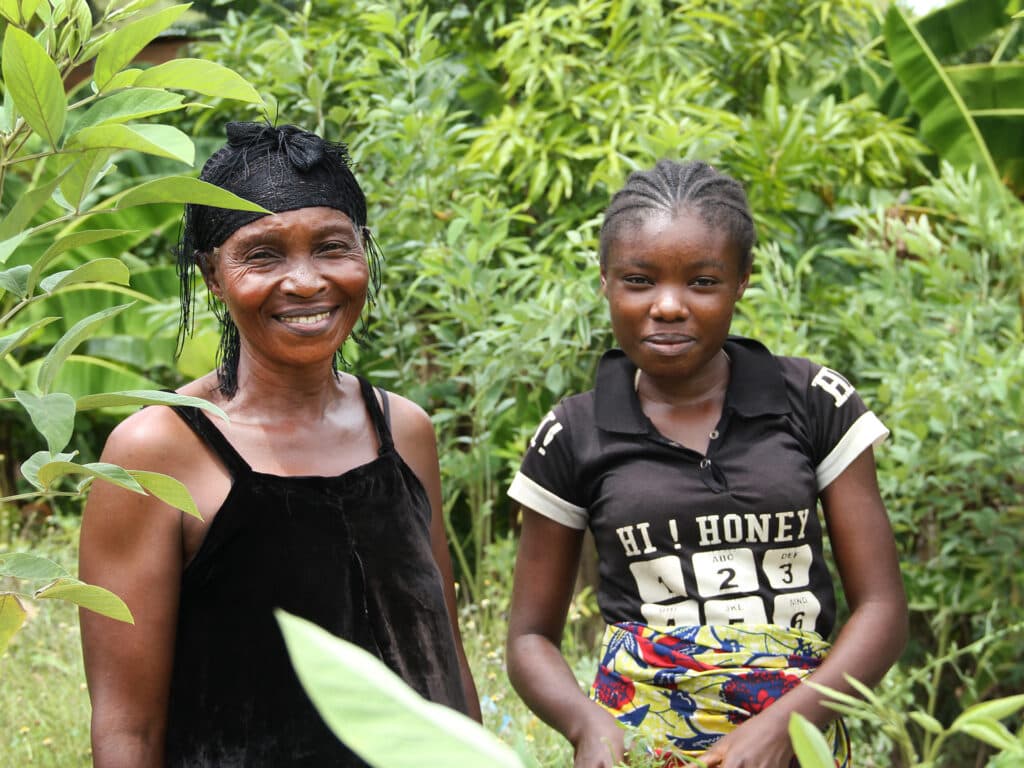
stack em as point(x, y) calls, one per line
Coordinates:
point(260, 256)
point(336, 250)
point(636, 280)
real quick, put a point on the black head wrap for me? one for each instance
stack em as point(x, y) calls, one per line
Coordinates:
point(282, 168)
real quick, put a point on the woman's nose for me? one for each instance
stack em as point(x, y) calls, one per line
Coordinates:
point(669, 305)
point(303, 278)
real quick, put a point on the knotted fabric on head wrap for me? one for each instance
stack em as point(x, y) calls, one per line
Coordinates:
point(282, 168)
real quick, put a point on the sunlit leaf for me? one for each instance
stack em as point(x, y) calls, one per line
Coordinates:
point(75, 335)
point(996, 709)
point(30, 467)
point(34, 83)
point(125, 106)
point(70, 243)
point(12, 616)
point(206, 77)
point(145, 397)
point(52, 470)
point(83, 170)
point(97, 599)
point(809, 743)
point(989, 731)
point(167, 489)
point(97, 270)
point(125, 43)
point(158, 140)
point(184, 189)
point(365, 704)
point(53, 415)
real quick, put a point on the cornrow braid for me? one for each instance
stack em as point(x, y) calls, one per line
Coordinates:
point(672, 187)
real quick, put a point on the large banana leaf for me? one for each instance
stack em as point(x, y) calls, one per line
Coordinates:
point(994, 95)
point(946, 123)
point(958, 27)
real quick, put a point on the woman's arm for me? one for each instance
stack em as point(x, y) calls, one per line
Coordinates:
point(545, 575)
point(415, 441)
point(131, 545)
point(868, 643)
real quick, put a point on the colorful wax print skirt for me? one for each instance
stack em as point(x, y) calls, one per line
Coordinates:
point(686, 687)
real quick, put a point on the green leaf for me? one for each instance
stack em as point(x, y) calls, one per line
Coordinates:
point(184, 189)
point(167, 489)
point(809, 743)
point(52, 470)
point(206, 77)
point(34, 83)
point(12, 340)
point(989, 86)
point(24, 565)
point(31, 466)
point(83, 170)
point(990, 732)
point(15, 280)
point(70, 243)
point(996, 709)
point(366, 704)
point(53, 415)
point(158, 140)
point(12, 616)
point(97, 599)
point(67, 344)
point(927, 722)
point(125, 106)
point(26, 207)
point(124, 44)
point(95, 271)
point(946, 124)
point(10, 245)
point(145, 397)
point(957, 27)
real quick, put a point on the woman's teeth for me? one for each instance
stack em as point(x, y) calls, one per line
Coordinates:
point(305, 319)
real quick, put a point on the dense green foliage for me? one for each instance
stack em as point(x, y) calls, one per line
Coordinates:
point(489, 136)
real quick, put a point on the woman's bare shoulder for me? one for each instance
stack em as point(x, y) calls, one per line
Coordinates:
point(154, 438)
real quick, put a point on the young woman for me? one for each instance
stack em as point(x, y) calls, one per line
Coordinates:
point(697, 462)
point(320, 496)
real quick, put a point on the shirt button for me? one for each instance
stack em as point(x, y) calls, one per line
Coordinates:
point(714, 434)
point(705, 463)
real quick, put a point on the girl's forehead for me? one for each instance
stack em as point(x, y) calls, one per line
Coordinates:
point(668, 232)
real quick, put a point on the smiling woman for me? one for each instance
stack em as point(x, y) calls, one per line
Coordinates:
point(698, 462)
point(320, 495)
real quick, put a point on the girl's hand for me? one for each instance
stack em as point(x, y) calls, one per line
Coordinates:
point(601, 743)
point(761, 742)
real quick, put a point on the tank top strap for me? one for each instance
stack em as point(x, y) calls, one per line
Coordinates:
point(381, 419)
point(213, 438)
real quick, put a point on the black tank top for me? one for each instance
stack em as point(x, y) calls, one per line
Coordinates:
point(350, 553)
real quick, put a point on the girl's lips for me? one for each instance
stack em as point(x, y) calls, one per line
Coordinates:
point(667, 343)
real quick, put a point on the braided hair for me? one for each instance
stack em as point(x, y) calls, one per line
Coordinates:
point(282, 168)
point(670, 188)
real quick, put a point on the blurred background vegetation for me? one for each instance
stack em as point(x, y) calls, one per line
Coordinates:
point(884, 159)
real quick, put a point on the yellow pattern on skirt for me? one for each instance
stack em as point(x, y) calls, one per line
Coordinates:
point(686, 687)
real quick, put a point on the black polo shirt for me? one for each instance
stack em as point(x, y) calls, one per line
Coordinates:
point(731, 537)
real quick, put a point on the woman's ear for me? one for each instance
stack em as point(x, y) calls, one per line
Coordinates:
point(604, 282)
point(207, 262)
